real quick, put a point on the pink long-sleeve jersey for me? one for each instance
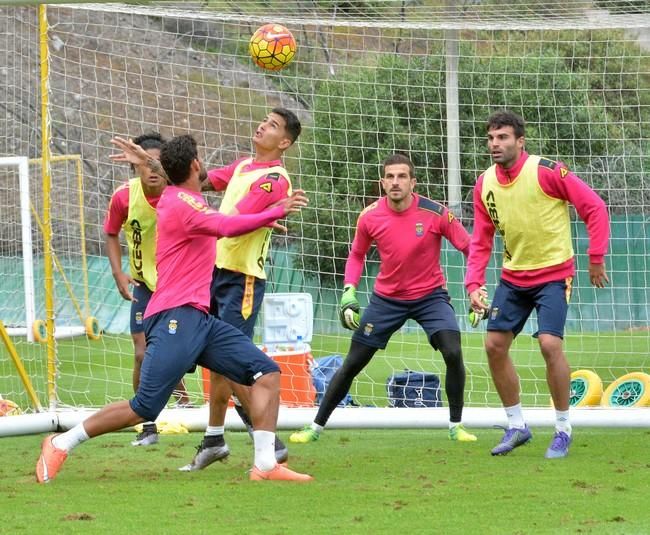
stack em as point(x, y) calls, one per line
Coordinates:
point(258, 197)
point(409, 246)
point(187, 232)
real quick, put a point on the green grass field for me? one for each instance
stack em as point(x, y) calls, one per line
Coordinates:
point(367, 481)
point(91, 372)
point(371, 481)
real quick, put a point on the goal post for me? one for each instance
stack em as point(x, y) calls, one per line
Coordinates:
point(22, 164)
point(417, 77)
point(73, 312)
point(32, 327)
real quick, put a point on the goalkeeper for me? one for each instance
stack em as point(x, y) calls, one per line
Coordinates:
point(407, 230)
point(526, 199)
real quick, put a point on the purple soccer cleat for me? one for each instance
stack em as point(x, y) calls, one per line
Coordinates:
point(559, 447)
point(513, 438)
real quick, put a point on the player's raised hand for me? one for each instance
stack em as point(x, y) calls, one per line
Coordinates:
point(294, 203)
point(278, 227)
point(598, 275)
point(131, 153)
point(136, 155)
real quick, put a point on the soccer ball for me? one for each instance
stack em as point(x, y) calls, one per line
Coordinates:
point(272, 47)
point(8, 408)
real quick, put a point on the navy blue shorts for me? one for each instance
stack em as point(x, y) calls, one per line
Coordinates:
point(142, 293)
point(180, 338)
point(236, 299)
point(512, 305)
point(383, 316)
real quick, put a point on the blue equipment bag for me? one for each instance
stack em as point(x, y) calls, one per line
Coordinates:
point(413, 389)
point(322, 372)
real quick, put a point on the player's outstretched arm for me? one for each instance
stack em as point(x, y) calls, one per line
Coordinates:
point(130, 152)
point(136, 155)
point(221, 225)
point(293, 203)
point(297, 201)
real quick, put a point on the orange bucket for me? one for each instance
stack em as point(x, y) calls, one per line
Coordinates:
point(296, 387)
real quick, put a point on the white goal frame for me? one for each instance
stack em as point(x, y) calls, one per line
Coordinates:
point(22, 163)
point(61, 331)
point(450, 30)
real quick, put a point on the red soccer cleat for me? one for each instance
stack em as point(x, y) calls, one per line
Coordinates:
point(279, 473)
point(50, 461)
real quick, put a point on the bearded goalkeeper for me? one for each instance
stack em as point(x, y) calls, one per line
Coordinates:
point(407, 230)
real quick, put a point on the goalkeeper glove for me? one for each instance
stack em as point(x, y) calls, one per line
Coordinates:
point(476, 317)
point(349, 308)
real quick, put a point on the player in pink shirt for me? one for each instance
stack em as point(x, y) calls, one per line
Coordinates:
point(525, 198)
point(180, 331)
point(132, 210)
point(250, 185)
point(407, 230)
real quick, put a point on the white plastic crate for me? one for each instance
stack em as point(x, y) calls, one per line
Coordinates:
point(287, 321)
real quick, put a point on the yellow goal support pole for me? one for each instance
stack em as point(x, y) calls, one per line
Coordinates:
point(47, 223)
point(11, 349)
point(82, 234)
point(61, 271)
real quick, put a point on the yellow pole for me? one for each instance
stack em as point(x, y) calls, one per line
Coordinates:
point(20, 368)
point(47, 223)
point(59, 268)
point(82, 234)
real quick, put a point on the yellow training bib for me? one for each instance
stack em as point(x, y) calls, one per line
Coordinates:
point(536, 228)
point(246, 254)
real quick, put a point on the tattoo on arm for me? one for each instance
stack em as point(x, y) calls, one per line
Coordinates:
point(206, 185)
point(157, 168)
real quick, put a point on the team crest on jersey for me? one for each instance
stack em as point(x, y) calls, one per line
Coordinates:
point(266, 187)
point(367, 329)
point(419, 229)
point(172, 327)
point(138, 318)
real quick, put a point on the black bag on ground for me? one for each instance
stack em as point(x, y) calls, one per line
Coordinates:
point(414, 389)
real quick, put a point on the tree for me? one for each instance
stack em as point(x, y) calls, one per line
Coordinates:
point(578, 107)
point(360, 120)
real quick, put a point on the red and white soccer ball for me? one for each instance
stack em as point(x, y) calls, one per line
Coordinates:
point(8, 408)
point(272, 47)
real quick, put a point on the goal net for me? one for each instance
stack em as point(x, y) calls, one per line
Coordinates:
point(369, 79)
